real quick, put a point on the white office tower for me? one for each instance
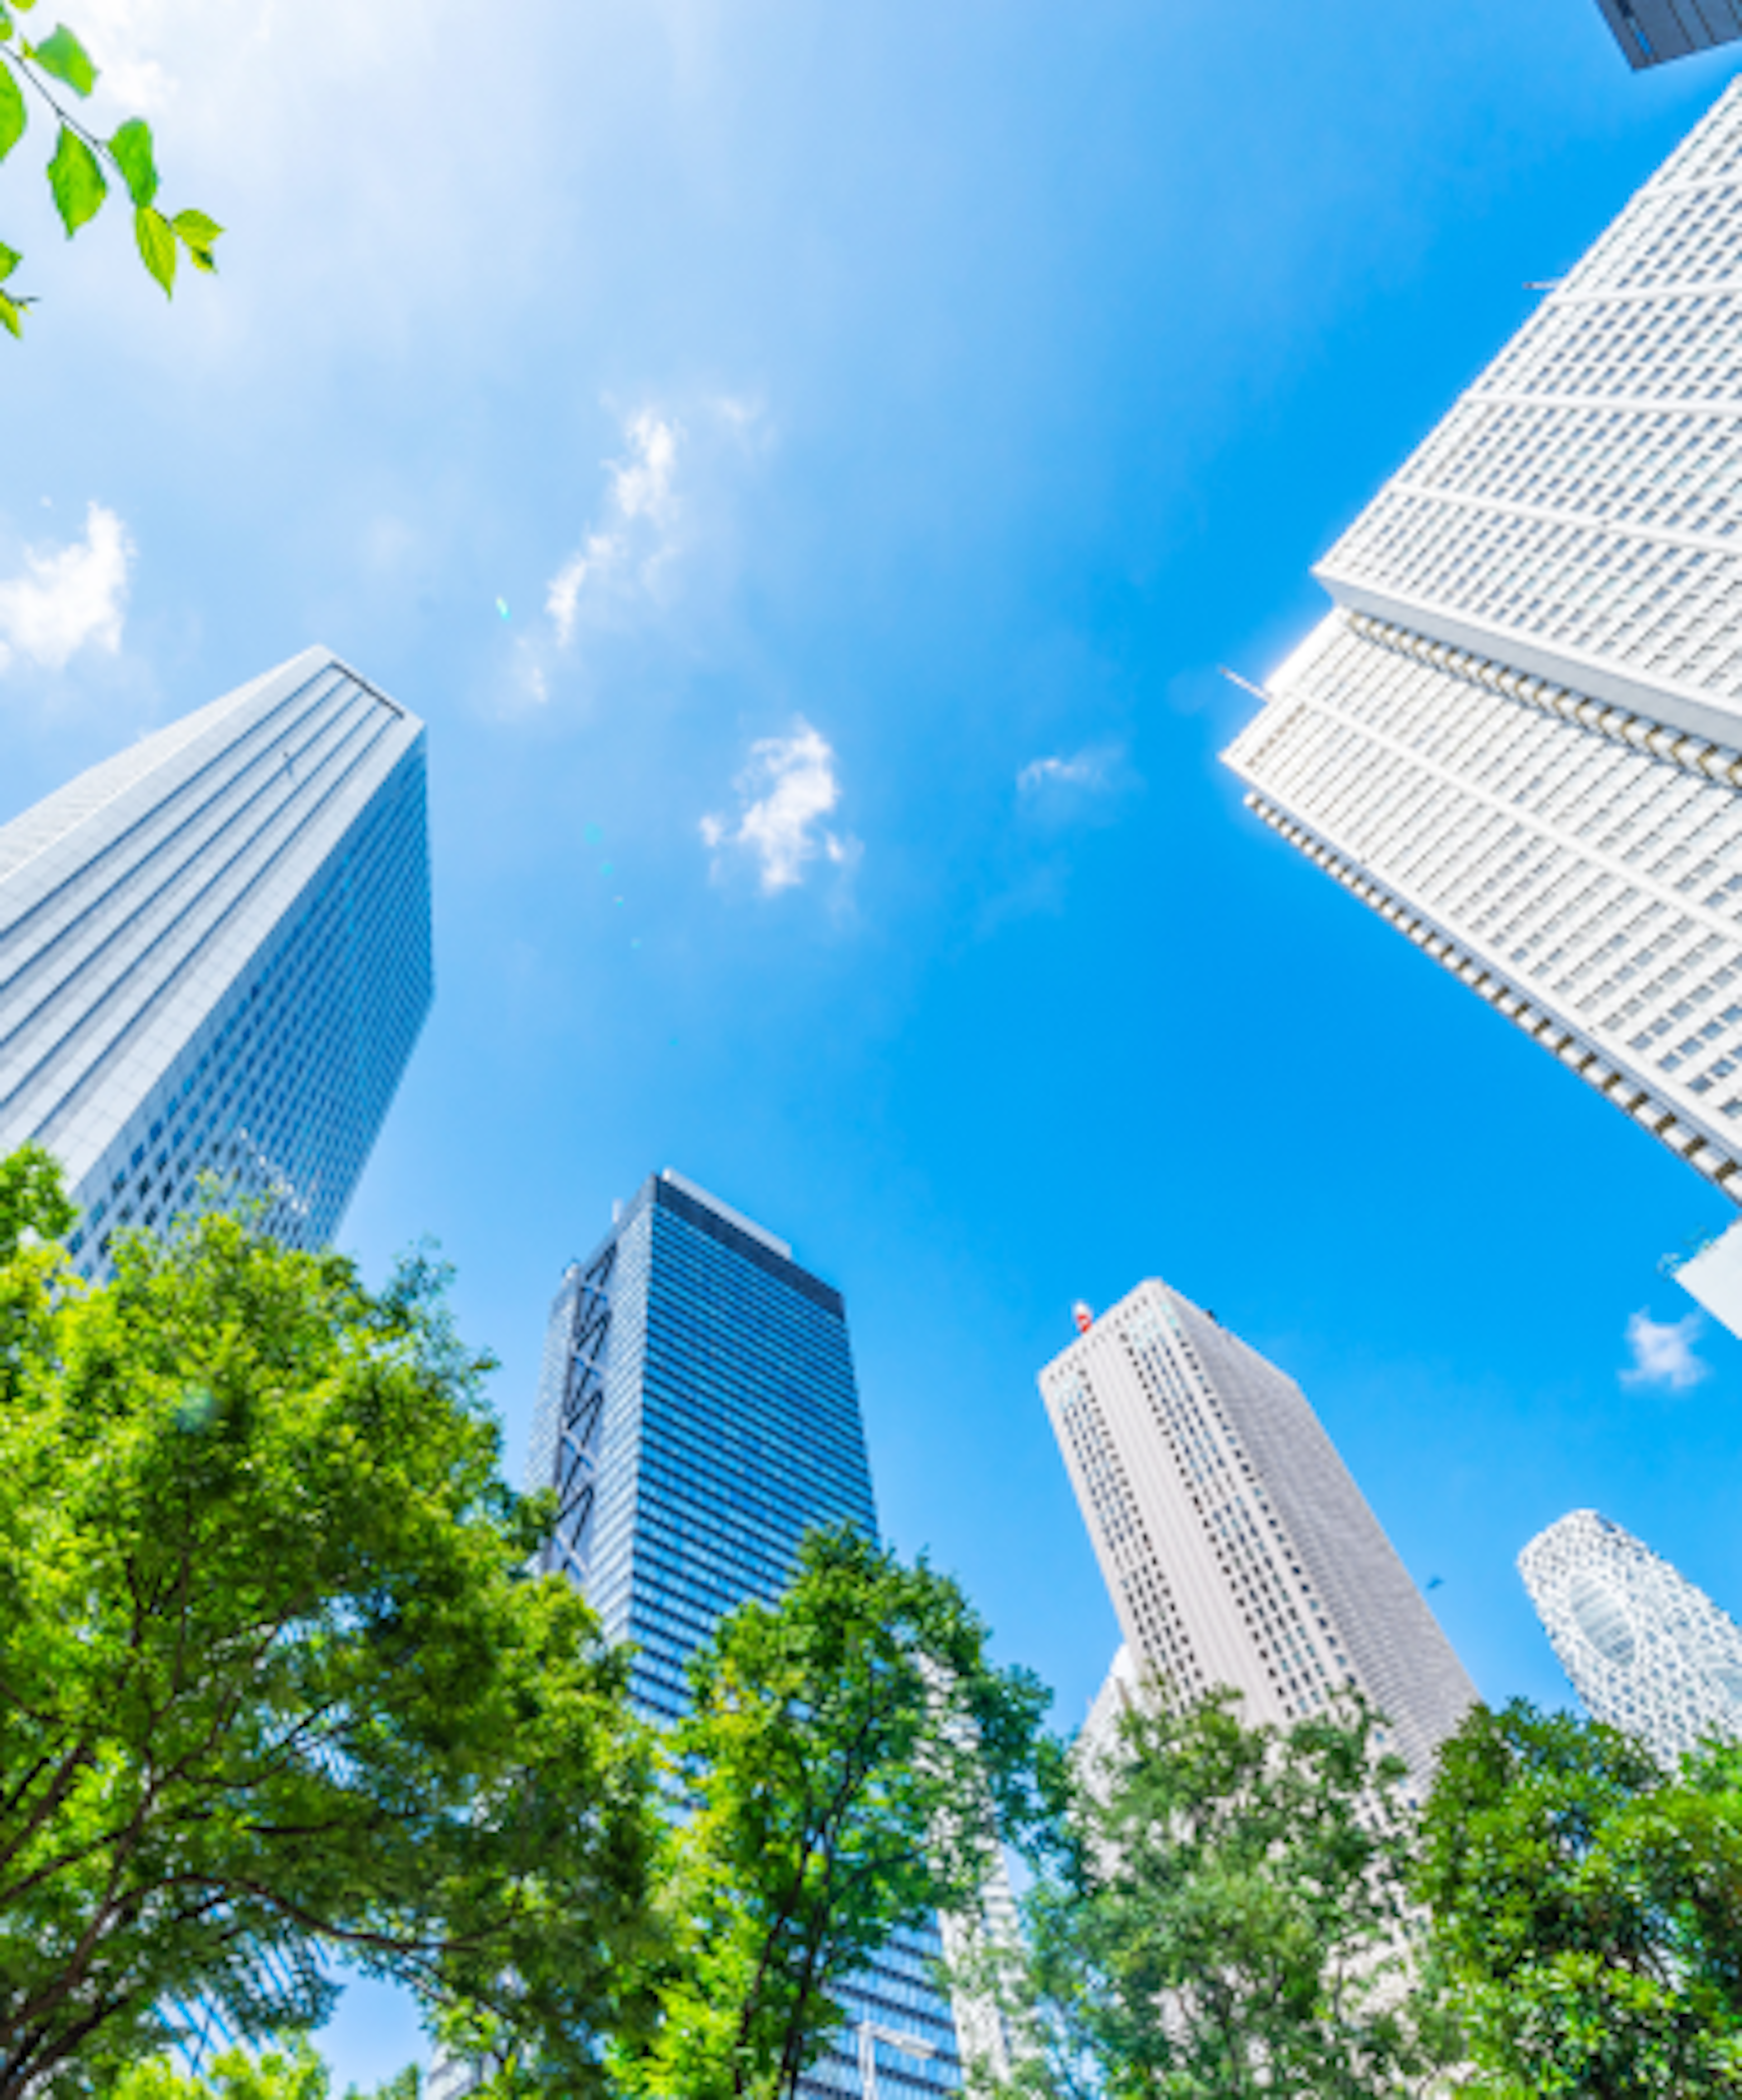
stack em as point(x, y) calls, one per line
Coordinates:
point(1646, 1651)
point(214, 955)
point(1238, 1549)
point(1517, 735)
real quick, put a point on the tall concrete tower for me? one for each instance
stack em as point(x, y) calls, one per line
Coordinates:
point(1518, 734)
point(1238, 1549)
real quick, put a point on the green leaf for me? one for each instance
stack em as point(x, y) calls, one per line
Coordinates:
point(196, 228)
point(12, 113)
point(132, 148)
point(157, 245)
point(12, 316)
point(64, 56)
point(77, 182)
point(198, 232)
point(10, 259)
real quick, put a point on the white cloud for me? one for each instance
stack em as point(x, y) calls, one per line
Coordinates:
point(1662, 1353)
point(639, 532)
point(1090, 769)
point(125, 38)
point(786, 788)
point(69, 596)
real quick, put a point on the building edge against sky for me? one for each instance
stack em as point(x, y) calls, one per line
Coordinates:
point(1518, 734)
point(697, 1413)
point(1653, 31)
point(1236, 1546)
point(1646, 1650)
point(215, 955)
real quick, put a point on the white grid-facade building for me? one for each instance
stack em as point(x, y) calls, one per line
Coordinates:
point(215, 957)
point(1646, 1651)
point(1517, 735)
point(1235, 1544)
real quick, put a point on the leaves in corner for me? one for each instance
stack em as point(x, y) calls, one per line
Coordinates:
point(76, 180)
point(62, 54)
point(156, 242)
point(11, 315)
point(12, 113)
point(10, 259)
point(132, 148)
point(198, 232)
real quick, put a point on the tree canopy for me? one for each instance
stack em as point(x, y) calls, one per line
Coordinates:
point(851, 1761)
point(1586, 1908)
point(274, 1678)
point(76, 177)
point(295, 2071)
point(1229, 1921)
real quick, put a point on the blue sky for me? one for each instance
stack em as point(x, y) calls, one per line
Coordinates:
point(879, 421)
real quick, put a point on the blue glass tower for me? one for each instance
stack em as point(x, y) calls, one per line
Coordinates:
point(214, 955)
point(697, 1413)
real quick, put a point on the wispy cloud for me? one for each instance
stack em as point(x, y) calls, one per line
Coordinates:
point(1662, 1353)
point(1061, 789)
point(637, 531)
point(68, 598)
point(786, 788)
point(1091, 770)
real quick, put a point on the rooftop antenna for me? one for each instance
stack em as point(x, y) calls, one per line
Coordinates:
point(1246, 684)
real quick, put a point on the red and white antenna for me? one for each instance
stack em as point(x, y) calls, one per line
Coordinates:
point(1083, 1315)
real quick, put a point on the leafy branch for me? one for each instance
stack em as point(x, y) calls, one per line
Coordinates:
point(75, 173)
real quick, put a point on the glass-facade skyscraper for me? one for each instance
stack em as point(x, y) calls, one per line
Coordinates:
point(1646, 1650)
point(215, 956)
point(1650, 31)
point(697, 1413)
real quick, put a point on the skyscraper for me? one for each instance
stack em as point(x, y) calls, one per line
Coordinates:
point(214, 954)
point(1652, 31)
point(1645, 1650)
point(1236, 1546)
point(1518, 734)
point(697, 1413)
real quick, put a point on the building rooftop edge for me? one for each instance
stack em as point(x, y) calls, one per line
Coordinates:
point(748, 1226)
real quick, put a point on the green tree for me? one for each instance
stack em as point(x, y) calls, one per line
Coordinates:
point(75, 178)
point(295, 2071)
point(1587, 1908)
point(1229, 1920)
point(274, 1679)
point(850, 1761)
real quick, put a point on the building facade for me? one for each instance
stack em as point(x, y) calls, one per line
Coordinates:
point(1651, 32)
point(1518, 734)
point(1644, 1649)
point(697, 1413)
point(1237, 1547)
point(215, 957)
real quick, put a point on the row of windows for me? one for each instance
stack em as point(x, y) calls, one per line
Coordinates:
point(1448, 792)
point(1258, 1562)
point(267, 1092)
point(1619, 464)
point(1663, 613)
